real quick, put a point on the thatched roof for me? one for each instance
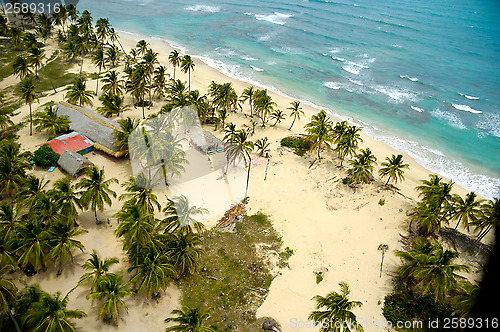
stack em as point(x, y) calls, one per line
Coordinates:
point(92, 125)
point(73, 162)
point(205, 139)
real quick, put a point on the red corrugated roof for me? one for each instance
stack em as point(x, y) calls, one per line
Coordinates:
point(73, 141)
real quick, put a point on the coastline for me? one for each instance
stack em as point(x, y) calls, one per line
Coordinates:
point(481, 181)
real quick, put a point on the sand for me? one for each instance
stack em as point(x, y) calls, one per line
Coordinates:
point(327, 225)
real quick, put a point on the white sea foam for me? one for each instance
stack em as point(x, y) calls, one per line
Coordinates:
point(397, 94)
point(451, 118)
point(338, 59)
point(256, 68)
point(203, 8)
point(413, 79)
point(332, 85)
point(466, 108)
point(418, 109)
point(248, 58)
point(468, 97)
point(355, 68)
point(356, 82)
point(275, 18)
point(490, 124)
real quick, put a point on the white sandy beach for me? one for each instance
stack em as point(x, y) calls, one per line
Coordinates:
point(326, 224)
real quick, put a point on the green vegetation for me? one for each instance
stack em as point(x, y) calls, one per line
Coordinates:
point(44, 156)
point(299, 144)
point(233, 279)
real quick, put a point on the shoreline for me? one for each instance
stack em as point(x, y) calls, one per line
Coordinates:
point(437, 163)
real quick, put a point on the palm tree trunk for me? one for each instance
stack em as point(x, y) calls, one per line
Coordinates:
point(387, 180)
point(174, 73)
point(98, 75)
point(96, 220)
point(81, 67)
point(189, 80)
point(31, 122)
point(292, 123)
point(248, 177)
point(13, 319)
point(50, 80)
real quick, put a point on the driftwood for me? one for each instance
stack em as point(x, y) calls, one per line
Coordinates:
point(229, 217)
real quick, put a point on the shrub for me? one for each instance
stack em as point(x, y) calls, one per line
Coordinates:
point(381, 202)
point(300, 145)
point(319, 277)
point(45, 156)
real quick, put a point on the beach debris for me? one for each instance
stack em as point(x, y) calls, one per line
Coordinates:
point(384, 248)
point(270, 325)
point(228, 221)
point(256, 290)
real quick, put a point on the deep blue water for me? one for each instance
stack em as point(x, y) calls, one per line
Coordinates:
point(421, 75)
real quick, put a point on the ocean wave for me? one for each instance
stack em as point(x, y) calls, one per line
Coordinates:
point(338, 59)
point(203, 8)
point(490, 125)
point(332, 85)
point(468, 97)
point(397, 94)
point(466, 108)
point(256, 68)
point(418, 109)
point(355, 68)
point(356, 82)
point(451, 118)
point(275, 18)
point(248, 58)
point(413, 79)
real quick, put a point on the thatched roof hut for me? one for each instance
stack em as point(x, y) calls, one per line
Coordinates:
point(73, 162)
point(205, 141)
point(92, 125)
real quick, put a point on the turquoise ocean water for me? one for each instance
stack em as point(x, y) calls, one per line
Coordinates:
point(421, 75)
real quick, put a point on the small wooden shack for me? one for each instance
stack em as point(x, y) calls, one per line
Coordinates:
point(73, 162)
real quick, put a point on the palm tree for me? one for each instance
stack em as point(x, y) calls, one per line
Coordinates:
point(184, 252)
point(240, 149)
point(21, 67)
point(262, 145)
point(393, 169)
point(127, 126)
point(230, 132)
point(136, 227)
point(250, 127)
point(189, 320)
point(113, 56)
point(174, 59)
point(96, 190)
point(78, 93)
point(431, 267)
point(490, 218)
point(362, 167)
point(8, 220)
point(179, 216)
point(13, 166)
point(337, 311)
point(112, 289)
point(142, 47)
point(277, 115)
point(112, 105)
point(152, 272)
point(31, 245)
point(60, 239)
point(51, 314)
point(139, 192)
point(224, 98)
point(159, 80)
point(98, 269)
point(248, 94)
point(319, 131)
point(465, 300)
point(466, 211)
point(187, 65)
point(347, 144)
point(29, 94)
point(66, 198)
point(99, 61)
point(36, 58)
point(8, 292)
point(263, 105)
point(112, 83)
point(102, 30)
point(296, 112)
point(47, 119)
point(139, 85)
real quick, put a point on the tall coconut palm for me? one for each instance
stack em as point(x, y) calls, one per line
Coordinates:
point(334, 311)
point(21, 67)
point(112, 105)
point(223, 96)
point(135, 227)
point(393, 169)
point(78, 93)
point(31, 245)
point(431, 267)
point(184, 252)
point(466, 211)
point(113, 56)
point(189, 320)
point(142, 47)
point(51, 314)
point(96, 191)
point(99, 61)
point(127, 126)
point(139, 85)
point(362, 167)
point(277, 115)
point(112, 289)
point(36, 56)
point(248, 94)
point(13, 166)
point(465, 300)
point(296, 111)
point(8, 220)
point(159, 80)
point(29, 94)
point(490, 218)
point(102, 30)
point(319, 131)
point(348, 143)
point(179, 216)
point(262, 145)
point(187, 65)
point(66, 198)
point(240, 150)
point(47, 119)
point(152, 272)
point(8, 292)
point(61, 241)
point(263, 105)
point(139, 192)
point(174, 59)
point(98, 268)
point(112, 83)
point(230, 132)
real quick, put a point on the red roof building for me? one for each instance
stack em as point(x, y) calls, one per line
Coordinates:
point(72, 141)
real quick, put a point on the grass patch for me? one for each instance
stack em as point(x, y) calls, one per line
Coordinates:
point(232, 259)
point(56, 69)
point(299, 144)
